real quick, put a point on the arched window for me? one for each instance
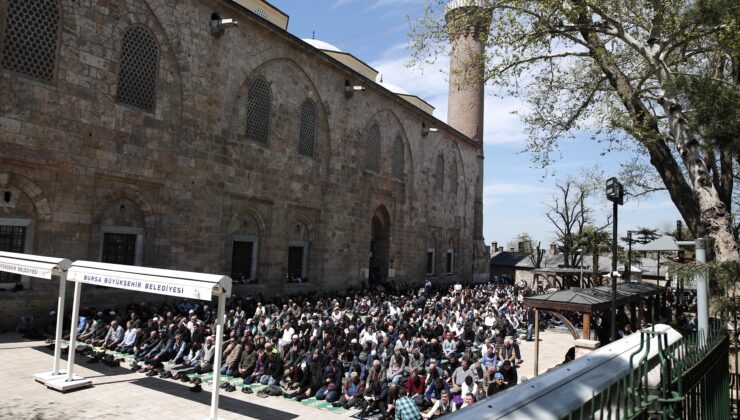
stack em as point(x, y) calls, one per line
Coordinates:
point(137, 79)
point(259, 103)
point(453, 178)
point(307, 136)
point(439, 174)
point(398, 161)
point(372, 156)
point(31, 36)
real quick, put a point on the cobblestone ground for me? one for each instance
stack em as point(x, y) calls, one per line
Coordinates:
point(117, 392)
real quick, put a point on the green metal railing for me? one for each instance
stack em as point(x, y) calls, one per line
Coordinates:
point(694, 381)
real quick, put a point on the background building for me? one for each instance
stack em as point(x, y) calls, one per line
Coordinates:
point(141, 132)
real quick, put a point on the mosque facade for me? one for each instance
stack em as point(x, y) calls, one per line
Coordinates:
point(158, 133)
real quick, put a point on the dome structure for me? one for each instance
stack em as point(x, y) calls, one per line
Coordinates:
point(343, 57)
point(403, 93)
point(394, 88)
point(321, 45)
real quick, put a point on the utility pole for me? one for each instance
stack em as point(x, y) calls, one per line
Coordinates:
point(615, 194)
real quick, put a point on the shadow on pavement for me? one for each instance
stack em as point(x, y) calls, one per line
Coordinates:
point(225, 402)
point(176, 389)
point(82, 362)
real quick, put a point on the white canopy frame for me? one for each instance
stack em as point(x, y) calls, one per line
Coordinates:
point(181, 284)
point(45, 268)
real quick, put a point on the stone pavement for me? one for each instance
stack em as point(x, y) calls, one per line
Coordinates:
point(118, 392)
point(554, 343)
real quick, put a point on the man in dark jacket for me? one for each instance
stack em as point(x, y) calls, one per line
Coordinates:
point(375, 397)
point(247, 361)
point(273, 370)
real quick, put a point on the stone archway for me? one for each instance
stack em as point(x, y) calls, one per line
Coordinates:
point(379, 245)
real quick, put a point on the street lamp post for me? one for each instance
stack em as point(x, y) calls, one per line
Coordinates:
point(580, 280)
point(628, 269)
point(615, 194)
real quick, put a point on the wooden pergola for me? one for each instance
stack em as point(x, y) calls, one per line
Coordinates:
point(594, 299)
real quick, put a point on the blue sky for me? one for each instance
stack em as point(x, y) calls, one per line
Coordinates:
point(376, 31)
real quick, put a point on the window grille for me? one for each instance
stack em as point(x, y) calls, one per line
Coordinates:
point(259, 103)
point(137, 80)
point(398, 160)
point(372, 158)
point(119, 248)
point(430, 262)
point(297, 261)
point(31, 34)
point(12, 239)
point(453, 178)
point(439, 174)
point(242, 260)
point(307, 137)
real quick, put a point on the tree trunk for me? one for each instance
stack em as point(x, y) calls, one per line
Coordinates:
point(715, 218)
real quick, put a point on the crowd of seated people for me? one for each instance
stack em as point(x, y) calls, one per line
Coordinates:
point(416, 353)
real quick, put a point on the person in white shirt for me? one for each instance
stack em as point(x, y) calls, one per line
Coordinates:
point(129, 339)
point(114, 336)
point(369, 335)
point(337, 314)
point(457, 328)
point(469, 387)
point(287, 336)
point(260, 311)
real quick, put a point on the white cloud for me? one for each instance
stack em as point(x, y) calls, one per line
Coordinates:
point(431, 84)
point(376, 3)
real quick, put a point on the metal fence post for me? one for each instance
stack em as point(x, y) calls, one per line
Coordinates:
point(702, 295)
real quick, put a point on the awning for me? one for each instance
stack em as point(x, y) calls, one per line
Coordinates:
point(182, 284)
point(33, 265)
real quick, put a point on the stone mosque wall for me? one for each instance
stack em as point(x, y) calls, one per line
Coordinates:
point(133, 134)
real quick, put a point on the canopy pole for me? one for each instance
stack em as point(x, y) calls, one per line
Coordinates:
point(72, 335)
point(215, 387)
point(536, 342)
point(60, 323)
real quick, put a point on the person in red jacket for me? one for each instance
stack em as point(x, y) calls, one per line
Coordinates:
point(415, 385)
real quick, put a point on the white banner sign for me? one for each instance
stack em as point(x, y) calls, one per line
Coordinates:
point(141, 283)
point(25, 269)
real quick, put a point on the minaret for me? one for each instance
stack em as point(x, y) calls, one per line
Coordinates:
point(468, 23)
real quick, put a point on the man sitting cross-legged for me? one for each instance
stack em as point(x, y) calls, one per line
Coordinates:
point(175, 349)
point(352, 391)
point(129, 339)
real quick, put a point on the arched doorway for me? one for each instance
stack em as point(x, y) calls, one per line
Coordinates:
point(379, 245)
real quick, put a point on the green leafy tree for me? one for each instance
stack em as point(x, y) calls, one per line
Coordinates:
point(641, 74)
point(643, 235)
point(595, 241)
